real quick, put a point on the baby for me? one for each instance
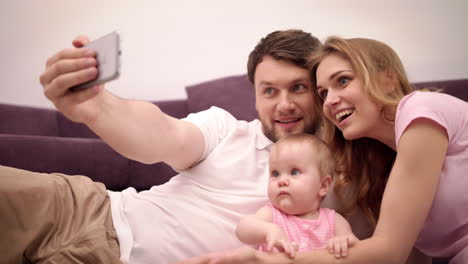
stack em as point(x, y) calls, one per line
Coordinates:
point(301, 169)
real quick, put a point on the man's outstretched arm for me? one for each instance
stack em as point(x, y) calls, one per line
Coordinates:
point(136, 129)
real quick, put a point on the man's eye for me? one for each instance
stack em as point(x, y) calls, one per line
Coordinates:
point(323, 94)
point(274, 174)
point(295, 172)
point(269, 91)
point(299, 87)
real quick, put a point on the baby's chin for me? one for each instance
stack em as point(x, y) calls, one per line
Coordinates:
point(286, 206)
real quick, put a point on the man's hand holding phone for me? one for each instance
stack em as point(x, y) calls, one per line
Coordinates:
point(107, 50)
point(71, 68)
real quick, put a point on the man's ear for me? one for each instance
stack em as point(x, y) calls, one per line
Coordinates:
point(256, 99)
point(325, 185)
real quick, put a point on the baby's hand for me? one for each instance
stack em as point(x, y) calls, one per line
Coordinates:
point(339, 245)
point(276, 238)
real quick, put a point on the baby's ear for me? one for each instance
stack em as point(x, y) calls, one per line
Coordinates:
point(325, 186)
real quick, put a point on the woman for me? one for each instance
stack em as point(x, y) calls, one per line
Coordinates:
point(372, 114)
point(402, 158)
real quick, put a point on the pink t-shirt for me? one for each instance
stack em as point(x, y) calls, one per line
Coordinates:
point(308, 234)
point(445, 232)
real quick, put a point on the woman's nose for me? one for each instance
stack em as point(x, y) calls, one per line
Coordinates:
point(331, 99)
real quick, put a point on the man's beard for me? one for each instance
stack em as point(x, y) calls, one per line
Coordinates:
point(272, 135)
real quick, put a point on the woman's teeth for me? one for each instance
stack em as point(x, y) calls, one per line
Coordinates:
point(343, 114)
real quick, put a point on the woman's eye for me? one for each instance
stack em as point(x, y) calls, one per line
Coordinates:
point(295, 172)
point(274, 174)
point(343, 80)
point(323, 94)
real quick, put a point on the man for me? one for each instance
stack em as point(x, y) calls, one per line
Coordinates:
point(222, 164)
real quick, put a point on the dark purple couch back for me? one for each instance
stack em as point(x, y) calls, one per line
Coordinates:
point(44, 140)
point(236, 94)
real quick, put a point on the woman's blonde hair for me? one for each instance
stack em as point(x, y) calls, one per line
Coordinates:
point(363, 165)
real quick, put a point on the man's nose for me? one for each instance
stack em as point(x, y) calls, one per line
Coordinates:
point(286, 103)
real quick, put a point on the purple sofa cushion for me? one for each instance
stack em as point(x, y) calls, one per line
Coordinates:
point(68, 128)
point(234, 94)
point(457, 88)
point(175, 108)
point(25, 120)
point(73, 156)
point(80, 156)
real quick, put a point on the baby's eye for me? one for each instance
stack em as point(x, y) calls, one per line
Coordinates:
point(295, 172)
point(323, 94)
point(274, 174)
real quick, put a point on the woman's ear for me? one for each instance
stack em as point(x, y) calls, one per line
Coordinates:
point(388, 81)
point(325, 185)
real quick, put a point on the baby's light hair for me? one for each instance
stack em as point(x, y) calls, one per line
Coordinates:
point(323, 153)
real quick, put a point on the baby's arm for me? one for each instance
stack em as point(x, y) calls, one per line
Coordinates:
point(344, 237)
point(259, 228)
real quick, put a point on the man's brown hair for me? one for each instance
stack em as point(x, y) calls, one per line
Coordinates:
point(292, 45)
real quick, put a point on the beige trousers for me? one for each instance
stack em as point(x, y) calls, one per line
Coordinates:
point(54, 218)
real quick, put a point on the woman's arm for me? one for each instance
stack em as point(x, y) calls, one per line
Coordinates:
point(407, 198)
point(405, 205)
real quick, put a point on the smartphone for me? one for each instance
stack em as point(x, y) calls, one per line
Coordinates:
point(108, 59)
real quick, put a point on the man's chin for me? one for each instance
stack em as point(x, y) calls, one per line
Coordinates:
point(281, 133)
point(278, 133)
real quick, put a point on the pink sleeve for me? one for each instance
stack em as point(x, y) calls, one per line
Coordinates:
point(438, 107)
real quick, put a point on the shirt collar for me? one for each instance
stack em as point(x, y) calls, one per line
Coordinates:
point(262, 141)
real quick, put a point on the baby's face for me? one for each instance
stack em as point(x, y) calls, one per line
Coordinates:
point(295, 180)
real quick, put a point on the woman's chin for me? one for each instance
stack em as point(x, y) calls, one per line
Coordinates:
point(350, 135)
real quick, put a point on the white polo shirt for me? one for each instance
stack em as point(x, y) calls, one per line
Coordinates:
point(197, 211)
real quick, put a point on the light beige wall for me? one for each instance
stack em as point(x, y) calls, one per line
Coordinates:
point(168, 44)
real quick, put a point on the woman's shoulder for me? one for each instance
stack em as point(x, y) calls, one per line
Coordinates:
point(443, 109)
point(433, 105)
point(429, 99)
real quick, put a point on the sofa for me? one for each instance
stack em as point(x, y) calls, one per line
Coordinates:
point(43, 140)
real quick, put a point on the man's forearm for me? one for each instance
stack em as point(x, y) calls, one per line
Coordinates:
point(138, 130)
